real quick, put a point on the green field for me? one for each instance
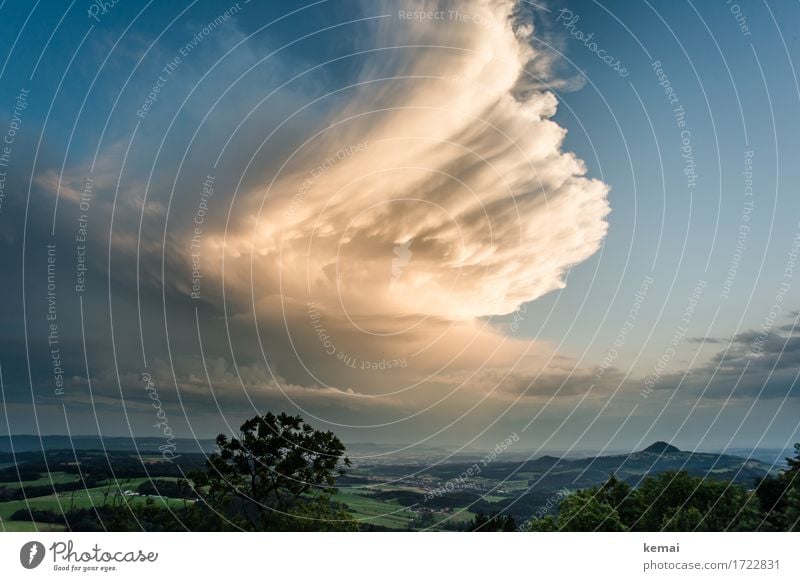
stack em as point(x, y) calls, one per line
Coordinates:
point(54, 478)
point(28, 527)
point(388, 513)
point(64, 501)
point(82, 499)
point(381, 513)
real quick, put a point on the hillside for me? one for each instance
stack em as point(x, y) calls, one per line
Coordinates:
point(398, 496)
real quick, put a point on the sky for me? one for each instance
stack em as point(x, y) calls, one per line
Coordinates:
point(414, 223)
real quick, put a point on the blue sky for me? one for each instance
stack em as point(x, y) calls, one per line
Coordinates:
point(640, 152)
point(259, 97)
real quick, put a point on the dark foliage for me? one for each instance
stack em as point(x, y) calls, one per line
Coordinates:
point(678, 501)
point(279, 474)
point(493, 523)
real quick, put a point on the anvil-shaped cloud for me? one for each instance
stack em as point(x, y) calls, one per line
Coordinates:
point(437, 191)
point(434, 193)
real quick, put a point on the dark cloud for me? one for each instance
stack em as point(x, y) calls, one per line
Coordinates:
point(761, 364)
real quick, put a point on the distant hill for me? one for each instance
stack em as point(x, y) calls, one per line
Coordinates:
point(551, 473)
point(661, 448)
point(32, 443)
point(522, 487)
point(542, 473)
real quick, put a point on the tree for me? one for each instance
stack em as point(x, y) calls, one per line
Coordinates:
point(423, 520)
point(620, 496)
point(792, 519)
point(681, 520)
point(721, 505)
point(586, 511)
point(780, 497)
point(671, 501)
point(794, 463)
point(544, 524)
point(279, 474)
point(771, 494)
point(493, 523)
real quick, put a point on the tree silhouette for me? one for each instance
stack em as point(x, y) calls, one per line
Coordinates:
point(586, 511)
point(279, 474)
point(493, 523)
point(671, 501)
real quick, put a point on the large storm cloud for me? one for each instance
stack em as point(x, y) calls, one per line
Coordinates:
point(353, 237)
